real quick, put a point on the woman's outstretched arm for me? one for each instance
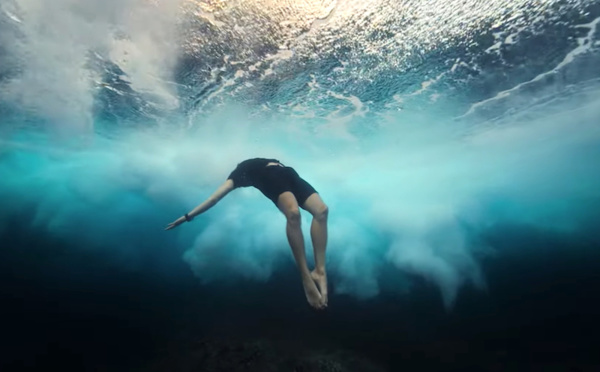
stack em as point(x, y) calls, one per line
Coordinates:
point(223, 190)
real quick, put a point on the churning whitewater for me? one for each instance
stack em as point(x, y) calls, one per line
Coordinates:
point(423, 124)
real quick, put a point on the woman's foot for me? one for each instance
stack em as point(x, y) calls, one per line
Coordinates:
point(320, 278)
point(312, 293)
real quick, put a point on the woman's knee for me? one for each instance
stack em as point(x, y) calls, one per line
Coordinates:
point(321, 213)
point(288, 205)
point(293, 216)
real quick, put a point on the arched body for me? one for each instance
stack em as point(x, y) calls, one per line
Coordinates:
point(289, 192)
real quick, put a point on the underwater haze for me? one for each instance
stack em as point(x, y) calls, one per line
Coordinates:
point(456, 144)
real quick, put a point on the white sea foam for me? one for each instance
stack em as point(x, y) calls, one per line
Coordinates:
point(583, 45)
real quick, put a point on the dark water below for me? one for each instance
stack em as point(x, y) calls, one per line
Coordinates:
point(73, 311)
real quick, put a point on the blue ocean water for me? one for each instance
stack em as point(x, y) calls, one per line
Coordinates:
point(456, 144)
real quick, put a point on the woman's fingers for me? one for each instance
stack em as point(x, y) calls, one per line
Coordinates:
point(174, 224)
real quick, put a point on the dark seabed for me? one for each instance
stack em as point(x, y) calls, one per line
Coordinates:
point(80, 312)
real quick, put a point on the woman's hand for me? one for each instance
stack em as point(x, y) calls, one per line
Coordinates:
point(225, 188)
point(175, 223)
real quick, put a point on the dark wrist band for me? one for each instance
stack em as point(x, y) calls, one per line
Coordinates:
point(187, 218)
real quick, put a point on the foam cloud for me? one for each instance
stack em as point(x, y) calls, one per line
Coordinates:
point(51, 43)
point(417, 204)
